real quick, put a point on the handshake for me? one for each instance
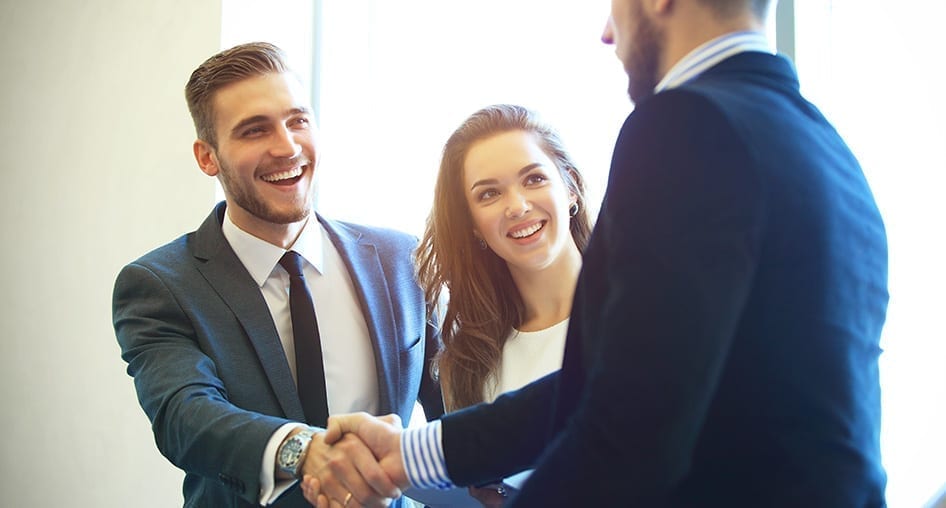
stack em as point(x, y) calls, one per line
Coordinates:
point(356, 462)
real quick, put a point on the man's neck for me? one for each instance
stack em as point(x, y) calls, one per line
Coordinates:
point(689, 30)
point(280, 235)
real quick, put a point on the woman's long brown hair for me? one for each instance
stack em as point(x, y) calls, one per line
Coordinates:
point(483, 304)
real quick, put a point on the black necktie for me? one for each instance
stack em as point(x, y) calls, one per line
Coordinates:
point(310, 374)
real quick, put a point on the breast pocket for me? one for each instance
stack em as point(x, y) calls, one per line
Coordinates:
point(412, 364)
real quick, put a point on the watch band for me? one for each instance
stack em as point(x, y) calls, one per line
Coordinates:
point(291, 453)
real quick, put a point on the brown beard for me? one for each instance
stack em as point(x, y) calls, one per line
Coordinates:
point(643, 61)
point(250, 202)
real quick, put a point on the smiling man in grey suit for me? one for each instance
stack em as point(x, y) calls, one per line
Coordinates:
point(205, 324)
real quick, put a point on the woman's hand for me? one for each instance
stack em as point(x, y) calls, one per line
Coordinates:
point(490, 496)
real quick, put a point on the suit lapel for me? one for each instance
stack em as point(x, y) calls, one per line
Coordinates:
point(364, 267)
point(226, 274)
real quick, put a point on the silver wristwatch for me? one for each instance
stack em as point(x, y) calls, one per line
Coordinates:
point(291, 453)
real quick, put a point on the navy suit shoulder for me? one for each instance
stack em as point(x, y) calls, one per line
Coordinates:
point(744, 315)
point(723, 347)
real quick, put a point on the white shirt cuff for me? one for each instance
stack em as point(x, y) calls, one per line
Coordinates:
point(269, 488)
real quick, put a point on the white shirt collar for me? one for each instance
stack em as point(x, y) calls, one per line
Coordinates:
point(711, 53)
point(260, 257)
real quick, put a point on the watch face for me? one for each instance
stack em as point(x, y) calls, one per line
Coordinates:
point(289, 455)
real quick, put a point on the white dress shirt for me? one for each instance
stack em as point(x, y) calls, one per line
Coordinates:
point(351, 380)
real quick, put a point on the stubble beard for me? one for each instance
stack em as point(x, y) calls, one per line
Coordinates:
point(644, 59)
point(249, 199)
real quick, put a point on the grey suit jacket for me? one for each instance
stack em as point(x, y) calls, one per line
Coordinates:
point(208, 365)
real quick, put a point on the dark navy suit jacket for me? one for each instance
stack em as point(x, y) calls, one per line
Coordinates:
point(723, 347)
point(209, 368)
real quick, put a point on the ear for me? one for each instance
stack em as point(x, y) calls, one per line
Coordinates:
point(572, 195)
point(206, 157)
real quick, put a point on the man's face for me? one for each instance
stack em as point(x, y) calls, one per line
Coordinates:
point(638, 43)
point(266, 154)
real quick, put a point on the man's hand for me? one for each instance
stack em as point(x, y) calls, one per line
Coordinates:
point(382, 436)
point(347, 471)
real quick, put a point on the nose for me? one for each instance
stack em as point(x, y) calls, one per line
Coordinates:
point(607, 36)
point(517, 205)
point(285, 144)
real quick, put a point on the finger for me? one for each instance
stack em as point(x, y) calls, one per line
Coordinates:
point(345, 502)
point(356, 466)
point(369, 469)
point(391, 419)
point(331, 477)
point(489, 496)
point(340, 424)
point(310, 489)
point(339, 476)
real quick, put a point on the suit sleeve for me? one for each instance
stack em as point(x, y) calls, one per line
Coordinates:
point(486, 442)
point(665, 279)
point(195, 425)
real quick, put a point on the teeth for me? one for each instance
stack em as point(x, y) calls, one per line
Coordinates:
point(529, 231)
point(284, 175)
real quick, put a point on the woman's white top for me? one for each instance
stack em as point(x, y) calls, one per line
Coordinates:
point(527, 356)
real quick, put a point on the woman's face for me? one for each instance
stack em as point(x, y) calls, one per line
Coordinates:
point(518, 200)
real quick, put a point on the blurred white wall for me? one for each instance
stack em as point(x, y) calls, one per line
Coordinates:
point(96, 170)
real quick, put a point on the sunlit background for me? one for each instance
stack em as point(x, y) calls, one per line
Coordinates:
point(391, 81)
point(97, 169)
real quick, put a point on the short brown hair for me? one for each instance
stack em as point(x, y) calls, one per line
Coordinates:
point(727, 8)
point(229, 66)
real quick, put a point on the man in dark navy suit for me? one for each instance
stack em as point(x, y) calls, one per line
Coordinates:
point(724, 340)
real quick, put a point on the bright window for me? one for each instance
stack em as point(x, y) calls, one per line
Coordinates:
point(398, 77)
point(875, 69)
point(394, 78)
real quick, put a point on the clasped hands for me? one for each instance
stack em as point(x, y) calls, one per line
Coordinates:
point(356, 462)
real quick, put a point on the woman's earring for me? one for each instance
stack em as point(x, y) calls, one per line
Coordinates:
point(573, 210)
point(482, 243)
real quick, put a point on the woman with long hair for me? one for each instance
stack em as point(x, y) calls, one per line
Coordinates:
point(502, 248)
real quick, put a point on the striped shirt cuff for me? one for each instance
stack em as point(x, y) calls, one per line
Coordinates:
point(422, 450)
